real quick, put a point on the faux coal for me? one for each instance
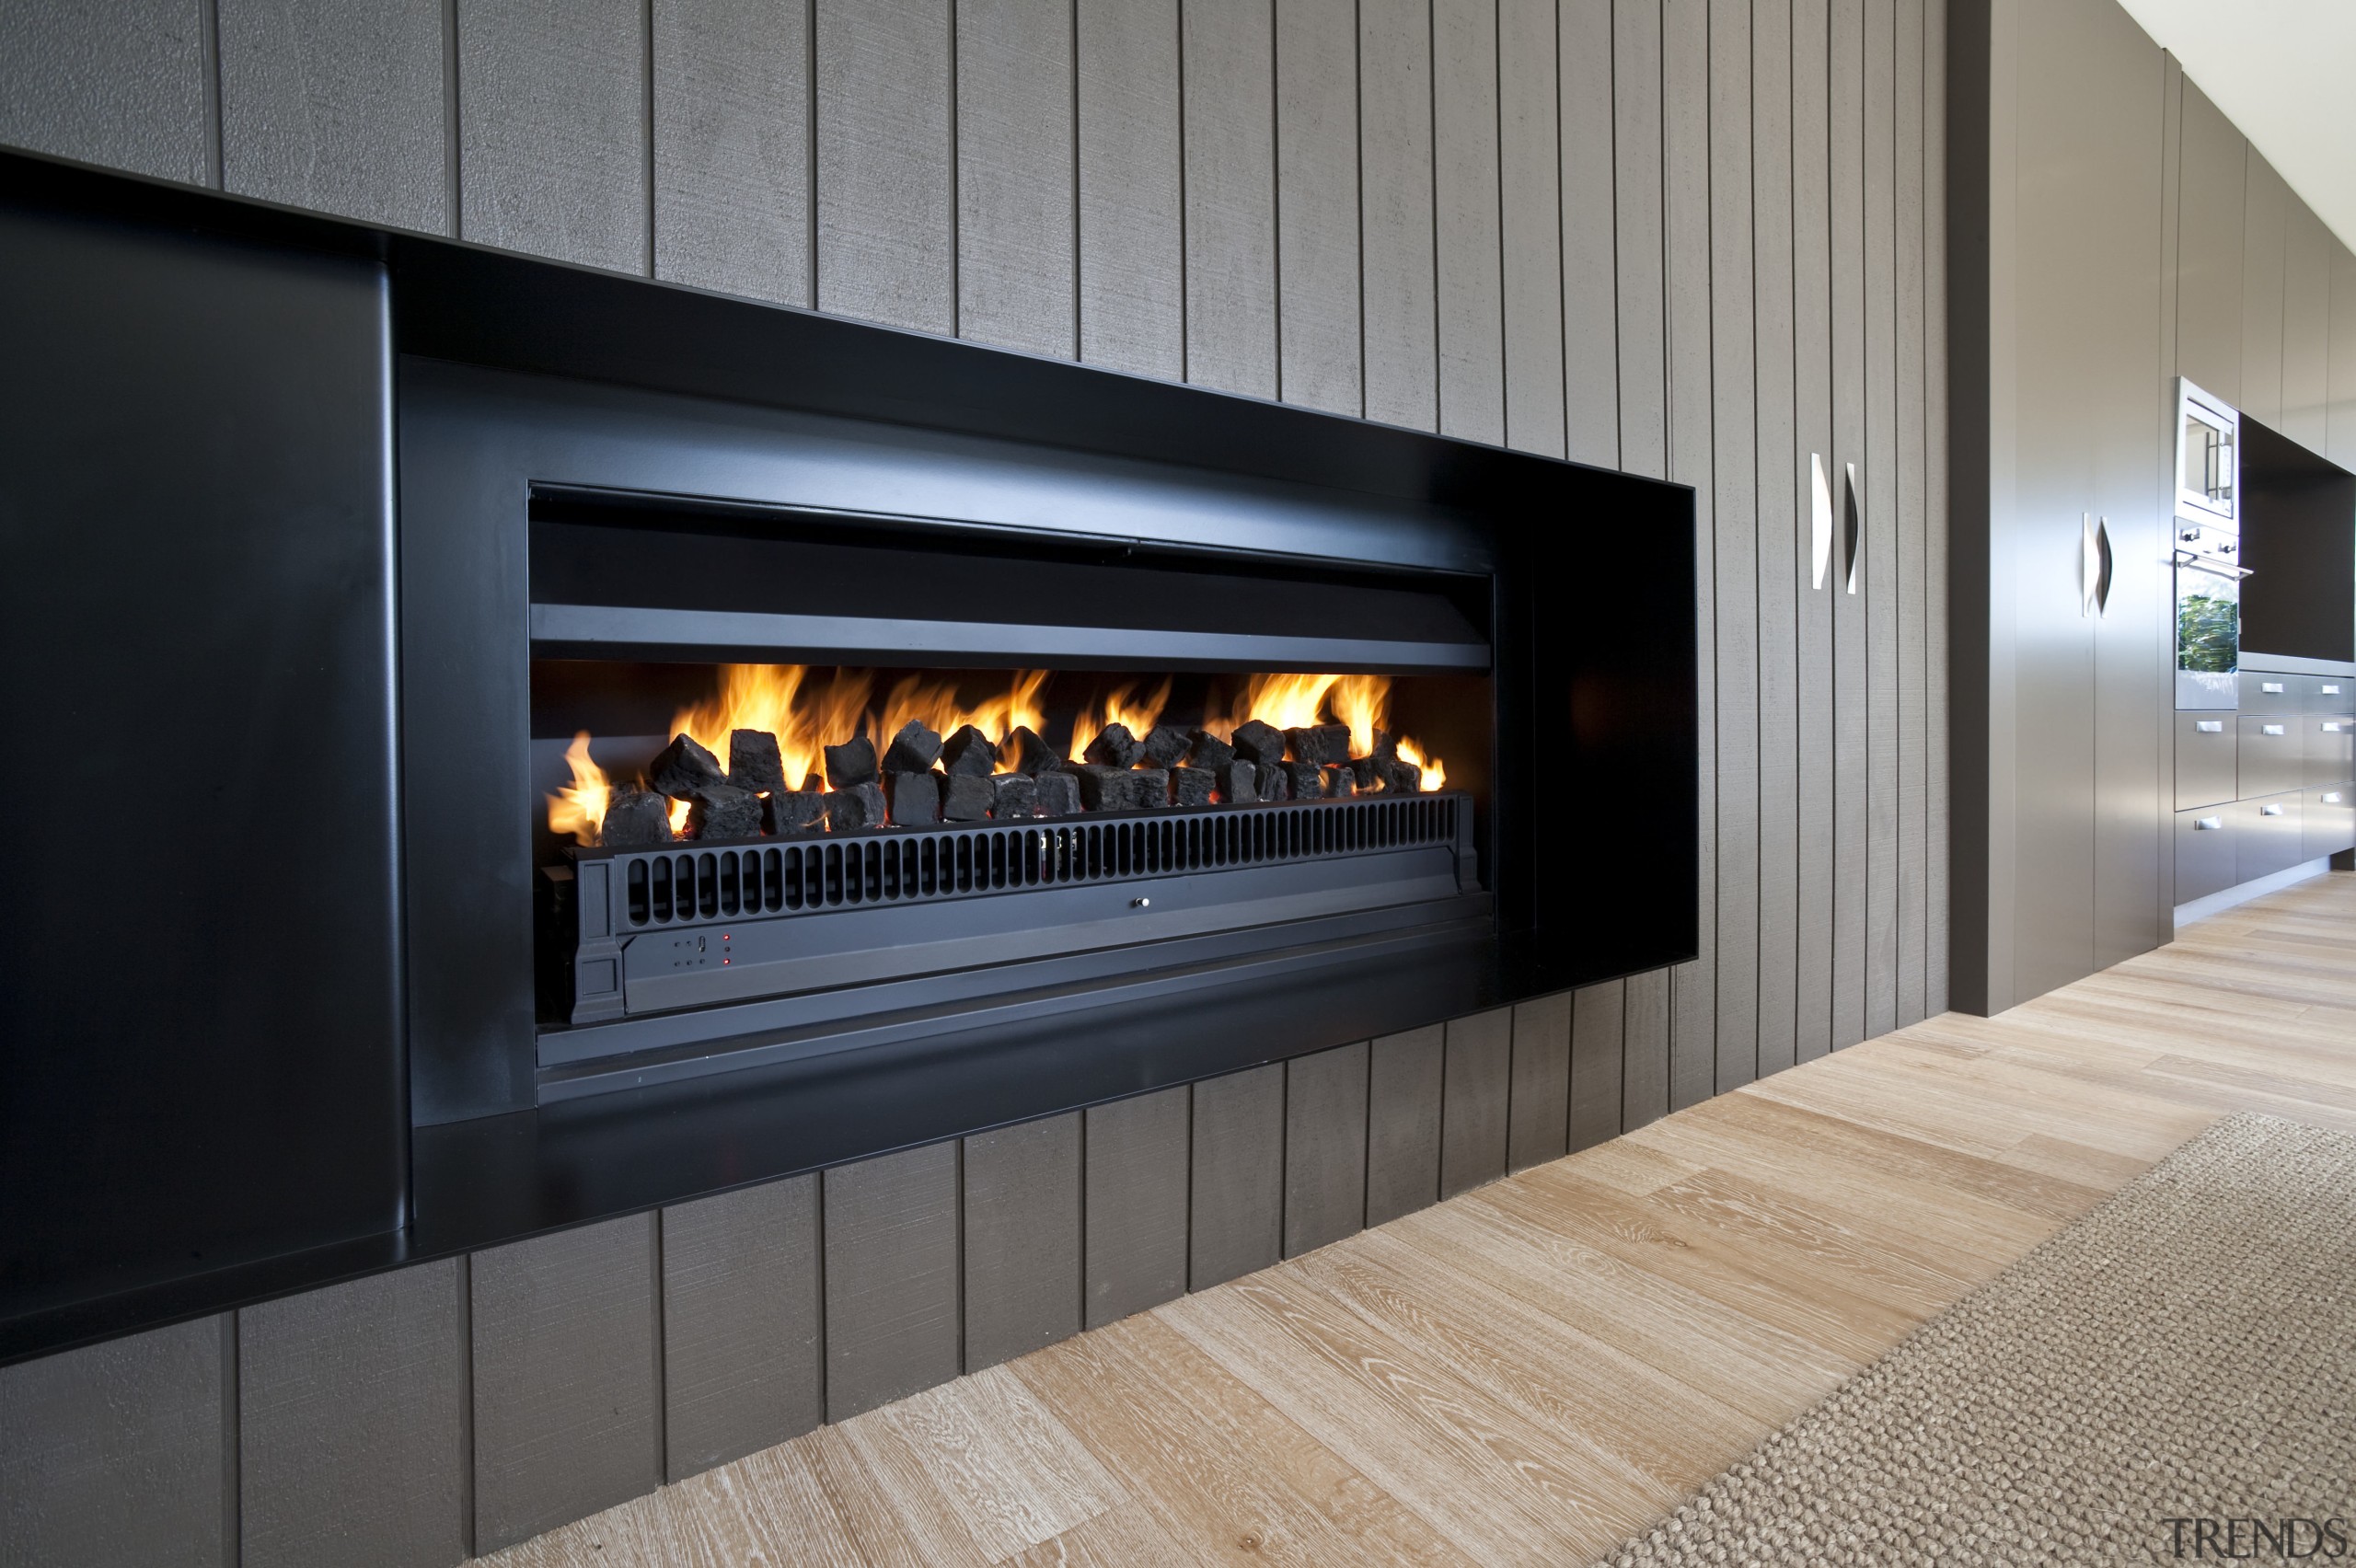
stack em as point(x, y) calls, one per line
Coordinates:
point(914, 798)
point(1166, 744)
point(753, 761)
point(1308, 779)
point(1013, 795)
point(1263, 743)
point(1024, 752)
point(966, 798)
point(851, 764)
point(860, 806)
point(1191, 787)
point(1238, 783)
point(725, 812)
point(684, 771)
point(1058, 794)
point(1323, 745)
point(1341, 781)
point(1149, 788)
point(968, 751)
point(913, 750)
point(1115, 747)
point(1209, 751)
point(1276, 784)
point(792, 810)
point(635, 819)
point(1102, 788)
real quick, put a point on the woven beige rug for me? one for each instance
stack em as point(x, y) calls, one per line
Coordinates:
point(2172, 1379)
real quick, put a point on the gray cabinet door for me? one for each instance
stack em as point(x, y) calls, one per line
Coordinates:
point(2213, 169)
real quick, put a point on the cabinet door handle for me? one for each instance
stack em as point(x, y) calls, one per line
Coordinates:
point(1819, 516)
point(2210, 726)
point(2271, 729)
point(2272, 688)
point(2207, 824)
point(2270, 811)
point(2102, 562)
point(1856, 524)
point(2332, 799)
point(2333, 729)
point(2332, 690)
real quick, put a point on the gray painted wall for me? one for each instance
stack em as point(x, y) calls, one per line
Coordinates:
point(1689, 239)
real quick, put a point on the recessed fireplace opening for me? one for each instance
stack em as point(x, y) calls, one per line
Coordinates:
point(794, 775)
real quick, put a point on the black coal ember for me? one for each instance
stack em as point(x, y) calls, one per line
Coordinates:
point(914, 797)
point(1013, 795)
point(860, 806)
point(1113, 747)
point(1386, 746)
point(1238, 783)
point(913, 750)
point(851, 764)
point(1149, 788)
point(1190, 786)
point(968, 798)
point(1263, 743)
point(1209, 751)
point(1406, 778)
point(725, 812)
point(1026, 753)
point(1101, 787)
point(1276, 784)
point(1369, 772)
point(1308, 779)
point(1341, 781)
point(1323, 745)
point(1058, 794)
point(793, 810)
point(969, 750)
point(1165, 744)
point(635, 819)
point(753, 761)
point(684, 771)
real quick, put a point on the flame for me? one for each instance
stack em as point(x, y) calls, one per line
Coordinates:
point(1363, 702)
point(1140, 715)
point(579, 808)
point(935, 703)
point(772, 698)
point(1435, 770)
point(1288, 702)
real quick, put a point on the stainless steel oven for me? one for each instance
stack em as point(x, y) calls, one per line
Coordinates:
point(2208, 614)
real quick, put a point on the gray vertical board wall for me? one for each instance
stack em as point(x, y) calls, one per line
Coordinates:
point(1912, 582)
point(350, 1425)
point(1404, 1074)
point(1397, 287)
point(1736, 514)
point(1813, 438)
point(1685, 149)
point(1132, 252)
point(1881, 449)
point(567, 1403)
point(743, 1363)
point(1598, 1043)
point(887, 243)
point(1325, 1146)
point(1591, 314)
point(1228, 70)
point(1539, 1104)
point(1938, 887)
point(2212, 168)
point(118, 1453)
point(1318, 313)
point(1851, 821)
point(1477, 1080)
point(1017, 226)
point(891, 1271)
point(1465, 194)
point(1530, 185)
point(552, 130)
point(122, 83)
point(1134, 1203)
point(1782, 552)
point(1020, 1238)
point(1237, 1180)
point(2266, 214)
point(731, 146)
point(337, 108)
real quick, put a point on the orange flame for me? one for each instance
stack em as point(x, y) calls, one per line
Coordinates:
point(1288, 702)
point(1435, 770)
point(579, 808)
point(772, 698)
point(935, 703)
point(1140, 715)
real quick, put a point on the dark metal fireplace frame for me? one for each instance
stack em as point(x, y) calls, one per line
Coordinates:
point(505, 374)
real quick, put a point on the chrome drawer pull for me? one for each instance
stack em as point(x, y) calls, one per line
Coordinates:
point(2270, 685)
point(2271, 729)
point(2331, 690)
point(2333, 729)
point(2207, 825)
point(2210, 726)
point(2332, 799)
point(2270, 811)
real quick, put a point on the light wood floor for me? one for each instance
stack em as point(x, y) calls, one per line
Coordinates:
point(1531, 1372)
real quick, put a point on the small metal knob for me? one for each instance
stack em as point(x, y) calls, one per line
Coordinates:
point(1141, 903)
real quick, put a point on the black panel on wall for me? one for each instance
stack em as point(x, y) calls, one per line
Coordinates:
point(195, 622)
point(2299, 542)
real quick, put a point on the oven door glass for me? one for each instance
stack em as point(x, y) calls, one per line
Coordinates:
point(2208, 633)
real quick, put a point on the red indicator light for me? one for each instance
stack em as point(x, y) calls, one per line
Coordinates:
point(723, 961)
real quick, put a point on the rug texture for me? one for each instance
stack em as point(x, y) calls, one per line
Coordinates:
point(2187, 1352)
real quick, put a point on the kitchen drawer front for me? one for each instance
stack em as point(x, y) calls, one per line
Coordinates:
point(2327, 822)
point(2205, 765)
point(2328, 693)
point(2266, 836)
point(2273, 754)
point(2264, 693)
point(2330, 748)
point(2204, 852)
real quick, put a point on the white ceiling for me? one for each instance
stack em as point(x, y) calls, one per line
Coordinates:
point(2284, 71)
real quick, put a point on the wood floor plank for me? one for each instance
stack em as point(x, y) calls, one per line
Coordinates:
point(1525, 1372)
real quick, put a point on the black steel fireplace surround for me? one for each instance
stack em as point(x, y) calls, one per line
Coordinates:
point(342, 552)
